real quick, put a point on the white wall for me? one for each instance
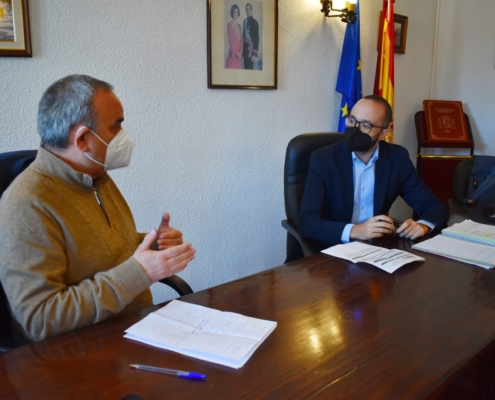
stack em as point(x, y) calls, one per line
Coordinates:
point(465, 64)
point(412, 79)
point(212, 158)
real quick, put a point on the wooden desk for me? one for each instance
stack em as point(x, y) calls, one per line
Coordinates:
point(344, 331)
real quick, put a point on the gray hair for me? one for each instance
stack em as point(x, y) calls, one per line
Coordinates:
point(66, 103)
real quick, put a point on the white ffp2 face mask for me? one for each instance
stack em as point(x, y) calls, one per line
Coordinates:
point(119, 151)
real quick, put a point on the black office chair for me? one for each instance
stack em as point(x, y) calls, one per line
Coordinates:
point(473, 181)
point(460, 182)
point(296, 169)
point(11, 165)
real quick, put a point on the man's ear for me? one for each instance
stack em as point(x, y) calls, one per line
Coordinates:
point(383, 134)
point(79, 137)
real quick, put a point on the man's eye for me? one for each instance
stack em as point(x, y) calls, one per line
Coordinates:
point(352, 121)
point(367, 125)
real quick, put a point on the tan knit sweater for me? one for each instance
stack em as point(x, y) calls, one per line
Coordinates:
point(66, 261)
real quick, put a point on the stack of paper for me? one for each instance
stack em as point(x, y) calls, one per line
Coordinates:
point(220, 337)
point(472, 232)
point(388, 260)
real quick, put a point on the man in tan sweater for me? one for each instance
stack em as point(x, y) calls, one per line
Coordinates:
point(70, 255)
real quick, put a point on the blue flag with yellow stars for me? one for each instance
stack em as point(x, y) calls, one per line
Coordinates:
point(349, 78)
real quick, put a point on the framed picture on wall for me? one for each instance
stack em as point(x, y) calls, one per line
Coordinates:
point(15, 35)
point(242, 44)
point(400, 33)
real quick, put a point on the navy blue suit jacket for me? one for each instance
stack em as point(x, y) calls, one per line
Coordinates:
point(328, 199)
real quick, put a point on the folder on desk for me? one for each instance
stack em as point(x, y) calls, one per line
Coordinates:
point(468, 241)
point(220, 337)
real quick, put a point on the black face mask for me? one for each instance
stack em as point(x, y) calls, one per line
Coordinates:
point(357, 140)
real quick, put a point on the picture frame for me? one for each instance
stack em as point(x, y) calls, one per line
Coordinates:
point(15, 33)
point(242, 48)
point(400, 33)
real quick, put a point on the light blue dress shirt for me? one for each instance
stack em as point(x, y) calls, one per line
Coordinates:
point(364, 191)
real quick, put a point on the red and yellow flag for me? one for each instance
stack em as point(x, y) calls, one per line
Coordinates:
point(384, 78)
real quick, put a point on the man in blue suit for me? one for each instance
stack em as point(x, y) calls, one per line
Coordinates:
point(251, 39)
point(352, 184)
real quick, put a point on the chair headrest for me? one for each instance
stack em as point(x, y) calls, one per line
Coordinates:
point(300, 148)
point(12, 164)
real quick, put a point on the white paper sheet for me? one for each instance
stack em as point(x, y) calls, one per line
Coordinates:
point(388, 260)
point(220, 337)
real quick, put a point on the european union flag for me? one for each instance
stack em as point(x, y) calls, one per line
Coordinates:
point(349, 78)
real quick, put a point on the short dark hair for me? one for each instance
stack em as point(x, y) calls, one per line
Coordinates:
point(248, 4)
point(234, 7)
point(385, 104)
point(66, 103)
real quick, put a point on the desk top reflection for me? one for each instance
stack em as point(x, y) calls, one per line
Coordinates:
point(344, 331)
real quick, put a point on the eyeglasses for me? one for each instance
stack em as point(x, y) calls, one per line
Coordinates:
point(364, 126)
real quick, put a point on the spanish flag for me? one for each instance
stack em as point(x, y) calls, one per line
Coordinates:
point(384, 78)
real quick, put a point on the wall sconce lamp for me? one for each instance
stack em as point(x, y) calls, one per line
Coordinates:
point(347, 15)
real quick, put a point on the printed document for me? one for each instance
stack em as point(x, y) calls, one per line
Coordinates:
point(388, 260)
point(220, 337)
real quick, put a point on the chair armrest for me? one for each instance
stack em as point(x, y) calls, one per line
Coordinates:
point(178, 284)
point(7, 344)
point(307, 248)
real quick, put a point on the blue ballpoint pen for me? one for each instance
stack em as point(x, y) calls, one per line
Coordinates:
point(180, 374)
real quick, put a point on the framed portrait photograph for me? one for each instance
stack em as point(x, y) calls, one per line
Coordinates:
point(400, 33)
point(242, 44)
point(15, 35)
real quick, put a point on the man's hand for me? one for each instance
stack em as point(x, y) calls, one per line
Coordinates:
point(373, 228)
point(162, 264)
point(410, 229)
point(167, 236)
